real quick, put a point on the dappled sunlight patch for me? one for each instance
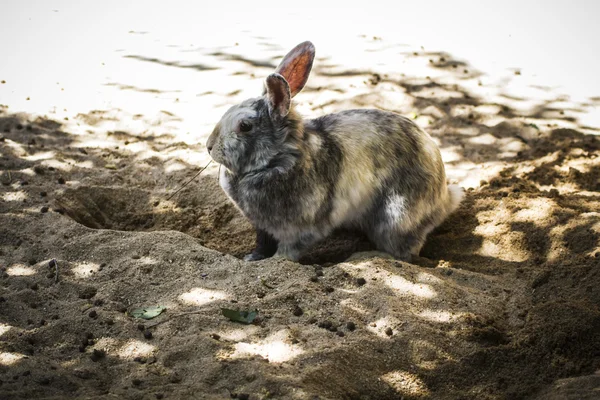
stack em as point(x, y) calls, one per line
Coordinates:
point(348, 291)
point(237, 335)
point(427, 277)
point(135, 348)
point(354, 306)
point(580, 162)
point(510, 147)
point(563, 236)
point(101, 143)
point(147, 261)
point(365, 265)
point(538, 210)
point(174, 166)
point(274, 348)
point(4, 328)
point(488, 109)
point(10, 358)
point(58, 164)
point(142, 148)
point(27, 171)
point(450, 154)
point(406, 287)
point(380, 326)
point(15, 196)
point(499, 239)
point(470, 174)
point(491, 229)
point(85, 269)
point(503, 251)
point(200, 296)
point(107, 344)
point(467, 131)
point(486, 138)
point(439, 316)
point(128, 350)
point(88, 164)
point(20, 270)
point(406, 383)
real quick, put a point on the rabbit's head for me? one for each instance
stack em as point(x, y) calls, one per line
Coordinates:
point(263, 132)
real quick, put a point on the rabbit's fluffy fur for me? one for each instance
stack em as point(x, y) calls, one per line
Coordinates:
point(297, 180)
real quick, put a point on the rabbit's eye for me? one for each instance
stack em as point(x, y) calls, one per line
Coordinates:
point(245, 126)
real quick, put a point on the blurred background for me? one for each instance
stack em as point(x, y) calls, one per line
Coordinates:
point(86, 55)
point(182, 64)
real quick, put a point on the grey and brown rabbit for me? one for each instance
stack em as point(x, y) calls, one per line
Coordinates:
point(297, 180)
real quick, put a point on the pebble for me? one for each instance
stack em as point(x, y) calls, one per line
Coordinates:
point(351, 326)
point(325, 324)
point(147, 334)
point(298, 311)
point(97, 355)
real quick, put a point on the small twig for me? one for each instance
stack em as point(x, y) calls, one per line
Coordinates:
point(174, 316)
point(185, 184)
point(9, 177)
point(55, 270)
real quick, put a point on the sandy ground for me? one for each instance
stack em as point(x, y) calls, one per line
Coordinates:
point(101, 122)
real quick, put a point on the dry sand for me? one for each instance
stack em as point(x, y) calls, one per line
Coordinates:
point(504, 302)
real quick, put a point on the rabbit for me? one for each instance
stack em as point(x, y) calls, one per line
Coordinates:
point(297, 180)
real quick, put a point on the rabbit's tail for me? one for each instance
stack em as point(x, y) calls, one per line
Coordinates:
point(456, 196)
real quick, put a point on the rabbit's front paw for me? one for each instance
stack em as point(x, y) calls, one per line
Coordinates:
point(287, 253)
point(254, 256)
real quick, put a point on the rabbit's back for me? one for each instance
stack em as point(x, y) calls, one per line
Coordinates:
point(382, 154)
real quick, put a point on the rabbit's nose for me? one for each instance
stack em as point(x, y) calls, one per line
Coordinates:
point(209, 147)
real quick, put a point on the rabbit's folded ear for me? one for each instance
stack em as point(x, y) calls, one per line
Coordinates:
point(278, 95)
point(296, 65)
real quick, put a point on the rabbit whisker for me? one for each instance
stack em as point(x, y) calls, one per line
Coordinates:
point(185, 184)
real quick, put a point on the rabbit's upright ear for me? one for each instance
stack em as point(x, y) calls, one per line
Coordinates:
point(296, 65)
point(278, 94)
